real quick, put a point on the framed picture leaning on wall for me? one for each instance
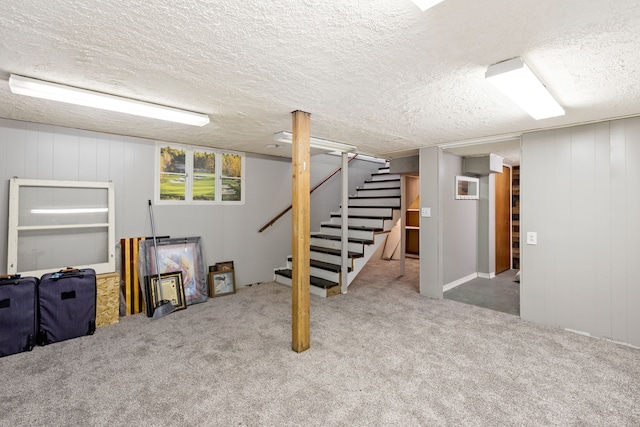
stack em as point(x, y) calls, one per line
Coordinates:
point(168, 288)
point(178, 254)
point(222, 283)
point(223, 266)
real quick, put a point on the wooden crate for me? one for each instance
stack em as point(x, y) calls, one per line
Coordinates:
point(108, 299)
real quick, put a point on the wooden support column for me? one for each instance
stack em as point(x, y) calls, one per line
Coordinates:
point(301, 230)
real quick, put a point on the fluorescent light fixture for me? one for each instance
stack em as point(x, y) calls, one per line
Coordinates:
point(317, 143)
point(518, 83)
point(69, 211)
point(426, 4)
point(364, 157)
point(56, 92)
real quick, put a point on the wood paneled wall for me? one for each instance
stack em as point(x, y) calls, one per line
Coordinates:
point(579, 192)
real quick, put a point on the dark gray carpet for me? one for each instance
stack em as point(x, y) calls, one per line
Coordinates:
point(380, 355)
point(500, 293)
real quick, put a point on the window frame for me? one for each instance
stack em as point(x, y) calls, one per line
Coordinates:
point(190, 150)
point(107, 266)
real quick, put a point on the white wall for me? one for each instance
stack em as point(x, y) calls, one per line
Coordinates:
point(229, 232)
point(431, 241)
point(486, 226)
point(449, 238)
point(326, 199)
point(460, 225)
point(579, 192)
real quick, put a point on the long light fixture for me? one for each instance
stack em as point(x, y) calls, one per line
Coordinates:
point(56, 92)
point(317, 143)
point(518, 83)
point(361, 157)
point(426, 4)
point(69, 211)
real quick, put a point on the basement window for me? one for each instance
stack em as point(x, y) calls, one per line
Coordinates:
point(198, 175)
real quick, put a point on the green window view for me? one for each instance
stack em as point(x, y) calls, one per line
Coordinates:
point(173, 175)
point(231, 177)
point(204, 176)
point(199, 175)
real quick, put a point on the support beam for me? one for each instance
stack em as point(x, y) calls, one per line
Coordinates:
point(403, 222)
point(344, 277)
point(300, 230)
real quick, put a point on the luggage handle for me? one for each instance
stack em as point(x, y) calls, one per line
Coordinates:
point(67, 272)
point(10, 279)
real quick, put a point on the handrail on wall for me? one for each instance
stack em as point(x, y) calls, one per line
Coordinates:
point(277, 217)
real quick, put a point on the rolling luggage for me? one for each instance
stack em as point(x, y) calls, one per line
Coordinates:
point(67, 305)
point(18, 314)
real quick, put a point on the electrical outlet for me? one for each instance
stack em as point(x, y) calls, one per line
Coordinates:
point(532, 238)
point(426, 212)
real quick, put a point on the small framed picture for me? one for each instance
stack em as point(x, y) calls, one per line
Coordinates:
point(222, 266)
point(221, 283)
point(169, 287)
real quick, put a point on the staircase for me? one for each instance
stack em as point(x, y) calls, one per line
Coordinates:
point(372, 212)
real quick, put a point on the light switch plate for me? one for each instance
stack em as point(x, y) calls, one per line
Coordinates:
point(532, 238)
point(426, 212)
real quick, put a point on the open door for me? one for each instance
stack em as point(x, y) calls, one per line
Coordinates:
point(503, 220)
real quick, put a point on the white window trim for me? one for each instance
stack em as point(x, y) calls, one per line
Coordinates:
point(189, 150)
point(14, 226)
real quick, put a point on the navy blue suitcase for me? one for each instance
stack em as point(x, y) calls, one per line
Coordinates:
point(67, 305)
point(18, 314)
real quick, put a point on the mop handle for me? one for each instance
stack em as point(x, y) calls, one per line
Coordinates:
point(155, 247)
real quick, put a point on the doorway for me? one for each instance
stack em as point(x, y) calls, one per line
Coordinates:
point(503, 220)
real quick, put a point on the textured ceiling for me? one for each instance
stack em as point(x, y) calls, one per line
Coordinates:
point(379, 74)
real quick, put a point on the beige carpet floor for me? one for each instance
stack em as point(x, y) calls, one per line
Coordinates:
point(380, 356)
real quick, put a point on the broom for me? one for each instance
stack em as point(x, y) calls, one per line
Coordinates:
point(164, 306)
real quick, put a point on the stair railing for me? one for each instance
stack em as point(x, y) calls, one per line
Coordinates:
point(277, 217)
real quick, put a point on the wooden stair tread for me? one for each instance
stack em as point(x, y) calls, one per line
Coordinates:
point(362, 216)
point(378, 189)
point(337, 252)
point(315, 281)
point(382, 180)
point(373, 206)
point(352, 227)
point(351, 239)
point(374, 197)
point(324, 265)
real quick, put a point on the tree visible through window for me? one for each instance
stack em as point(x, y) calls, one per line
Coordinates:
point(231, 177)
point(173, 175)
point(195, 174)
point(204, 175)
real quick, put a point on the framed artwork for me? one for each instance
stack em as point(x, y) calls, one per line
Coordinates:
point(221, 283)
point(467, 188)
point(223, 266)
point(178, 254)
point(168, 287)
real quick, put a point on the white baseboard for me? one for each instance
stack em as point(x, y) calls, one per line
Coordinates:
point(459, 282)
point(486, 276)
